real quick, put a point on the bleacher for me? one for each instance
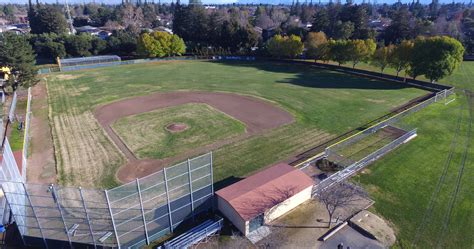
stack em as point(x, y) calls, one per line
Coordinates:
point(196, 234)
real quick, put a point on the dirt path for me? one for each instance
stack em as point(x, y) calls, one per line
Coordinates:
point(257, 115)
point(41, 163)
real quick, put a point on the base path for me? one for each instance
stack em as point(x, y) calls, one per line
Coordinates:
point(258, 115)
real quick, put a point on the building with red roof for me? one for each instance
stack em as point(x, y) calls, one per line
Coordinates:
point(264, 196)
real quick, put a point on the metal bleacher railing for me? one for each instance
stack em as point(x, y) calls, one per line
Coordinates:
point(446, 95)
point(195, 235)
point(357, 166)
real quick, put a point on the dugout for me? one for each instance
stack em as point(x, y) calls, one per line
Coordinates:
point(264, 196)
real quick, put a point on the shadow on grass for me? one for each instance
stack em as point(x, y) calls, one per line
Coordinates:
point(226, 182)
point(308, 76)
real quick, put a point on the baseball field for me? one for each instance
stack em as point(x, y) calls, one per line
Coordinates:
point(117, 123)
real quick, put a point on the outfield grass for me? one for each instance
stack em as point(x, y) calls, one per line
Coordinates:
point(146, 134)
point(405, 182)
point(461, 78)
point(324, 104)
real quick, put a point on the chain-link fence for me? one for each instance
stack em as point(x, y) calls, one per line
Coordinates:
point(351, 166)
point(88, 60)
point(9, 171)
point(11, 113)
point(360, 164)
point(130, 215)
point(139, 61)
point(26, 135)
point(442, 95)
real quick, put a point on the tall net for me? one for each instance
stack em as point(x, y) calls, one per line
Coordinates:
point(130, 215)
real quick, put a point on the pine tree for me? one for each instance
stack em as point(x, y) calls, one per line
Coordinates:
point(17, 54)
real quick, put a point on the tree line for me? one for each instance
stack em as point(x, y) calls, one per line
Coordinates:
point(433, 57)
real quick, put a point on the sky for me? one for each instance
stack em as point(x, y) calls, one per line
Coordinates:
point(221, 1)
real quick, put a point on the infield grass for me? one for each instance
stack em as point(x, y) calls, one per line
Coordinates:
point(147, 136)
point(324, 104)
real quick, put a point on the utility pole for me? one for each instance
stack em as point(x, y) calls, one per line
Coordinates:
point(69, 18)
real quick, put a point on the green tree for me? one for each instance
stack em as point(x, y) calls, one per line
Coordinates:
point(399, 29)
point(360, 50)
point(17, 54)
point(436, 57)
point(160, 44)
point(339, 51)
point(47, 19)
point(468, 30)
point(381, 57)
point(101, 16)
point(192, 23)
point(122, 42)
point(177, 46)
point(9, 11)
point(401, 56)
point(285, 46)
point(78, 45)
point(343, 30)
point(97, 45)
point(315, 45)
point(48, 46)
point(321, 21)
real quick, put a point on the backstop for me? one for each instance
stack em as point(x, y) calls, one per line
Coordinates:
point(128, 216)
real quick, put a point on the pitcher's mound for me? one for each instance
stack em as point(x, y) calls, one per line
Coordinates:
point(176, 127)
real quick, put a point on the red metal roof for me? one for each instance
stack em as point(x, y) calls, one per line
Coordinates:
point(265, 189)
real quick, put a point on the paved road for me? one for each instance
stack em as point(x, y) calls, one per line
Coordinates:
point(351, 238)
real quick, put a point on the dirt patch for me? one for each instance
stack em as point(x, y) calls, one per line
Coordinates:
point(178, 127)
point(67, 77)
point(258, 115)
point(41, 163)
point(375, 226)
point(377, 101)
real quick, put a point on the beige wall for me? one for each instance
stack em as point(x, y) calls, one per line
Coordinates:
point(230, 213)
point(270, 215)
point(288, 205)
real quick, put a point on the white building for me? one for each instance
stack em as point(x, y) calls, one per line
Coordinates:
point(264, 196)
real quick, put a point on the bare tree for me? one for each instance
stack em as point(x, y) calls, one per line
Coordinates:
point(132, 16)
point(341, 195)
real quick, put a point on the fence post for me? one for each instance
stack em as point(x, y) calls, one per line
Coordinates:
point(112, 217)
point(212, 183)
point(168, 199)
point(212, 175)
point(191, 187)
point(26, 128)
point(143, 213)
point(87, 217)
point(34, 214)
point(56, 199)
point(11, 114)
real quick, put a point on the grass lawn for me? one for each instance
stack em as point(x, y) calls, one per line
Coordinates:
point(16, 136)
point(324, 104)
point(408, 186)
point(148, 137)
point(366, 146)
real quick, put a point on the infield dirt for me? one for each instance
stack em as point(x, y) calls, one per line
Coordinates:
point(258, 116)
